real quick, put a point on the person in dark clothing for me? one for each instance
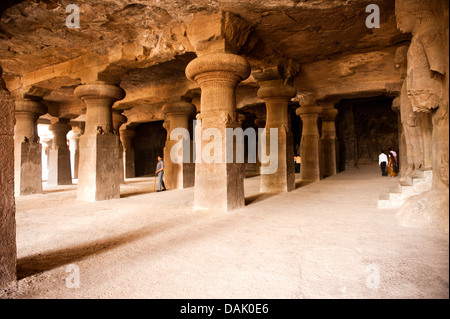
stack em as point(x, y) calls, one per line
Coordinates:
point(160, 172)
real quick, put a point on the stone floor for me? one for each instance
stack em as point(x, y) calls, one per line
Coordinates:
point(324, 240)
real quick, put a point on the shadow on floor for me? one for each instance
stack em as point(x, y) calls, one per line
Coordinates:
point(301, 183)
point(35, 264)
point(257, 198)
point(140, 192)
point(58, 190)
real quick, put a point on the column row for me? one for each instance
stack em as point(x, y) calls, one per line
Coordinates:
point(105, 150)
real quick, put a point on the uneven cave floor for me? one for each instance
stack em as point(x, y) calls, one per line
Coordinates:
point(326, 239)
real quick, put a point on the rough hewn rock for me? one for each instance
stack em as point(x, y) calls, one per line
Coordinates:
point(427, 84)
point(7, 204)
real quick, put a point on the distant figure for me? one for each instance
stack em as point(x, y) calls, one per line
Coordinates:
point(382, 162)
point(395, 157)
point(160, 172)
point(391, 165)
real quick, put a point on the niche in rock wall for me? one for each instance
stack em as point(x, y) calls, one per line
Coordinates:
point(364, 127)
point(148, 144)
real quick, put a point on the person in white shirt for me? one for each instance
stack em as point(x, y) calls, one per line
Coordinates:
point(382, 162)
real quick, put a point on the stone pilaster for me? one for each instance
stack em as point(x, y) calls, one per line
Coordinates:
point(27, 149)
point(218, 185)
point(126, 137)
point(177, 173)
point(99, 174)
point(118, 120)
point(7, 204)
point(310, 142)
point(59, 171)
point(277, 95)
point(328, 140)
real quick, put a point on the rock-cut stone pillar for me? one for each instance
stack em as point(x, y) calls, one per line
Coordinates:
point(99, 173)
point(310, 143)
point(328, 141)
point(59, 171)
point(277, 95)
point(218, 185)
point(27, 149)
point(126, 137)
point(8, 251)
point(118, 120)
point(74, 147)
point(178, 173)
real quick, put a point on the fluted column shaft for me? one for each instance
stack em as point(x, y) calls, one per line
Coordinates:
point(310, 143)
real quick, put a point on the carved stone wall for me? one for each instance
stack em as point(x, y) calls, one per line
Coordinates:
point(364, 128)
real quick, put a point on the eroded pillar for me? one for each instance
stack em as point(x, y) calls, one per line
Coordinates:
point(277, 95)
point(99, 174)
point(126, 137)
point(309, 145)
point(59, 170)
point(218, 185)
point(178, 174)
point(27, 149)
point(328, 140)
point(7, 204)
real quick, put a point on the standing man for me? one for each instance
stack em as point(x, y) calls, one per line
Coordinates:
point(160, 172)
point(382, 161)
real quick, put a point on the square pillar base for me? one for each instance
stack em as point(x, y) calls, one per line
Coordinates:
point(28, 168)
point(99, 173)
point(59, 172)
point(219, 187)
point(283, 180)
